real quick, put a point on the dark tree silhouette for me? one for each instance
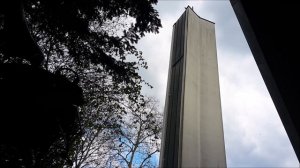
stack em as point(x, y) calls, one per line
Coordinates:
point(47, 48)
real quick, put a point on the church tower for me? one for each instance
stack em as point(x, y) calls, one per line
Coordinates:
point(193, 130)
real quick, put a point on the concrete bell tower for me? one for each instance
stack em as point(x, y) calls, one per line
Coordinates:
point(193, 131)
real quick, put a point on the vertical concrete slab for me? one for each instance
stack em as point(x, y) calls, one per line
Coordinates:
point(202, 129)
point(193, 134)
point(173, 104)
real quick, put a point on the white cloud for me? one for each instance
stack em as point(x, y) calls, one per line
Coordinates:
point(254, 135)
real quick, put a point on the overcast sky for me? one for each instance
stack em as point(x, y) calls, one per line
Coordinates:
point(254, 135)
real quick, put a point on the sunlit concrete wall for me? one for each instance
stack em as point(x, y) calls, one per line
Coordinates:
point(193, 132)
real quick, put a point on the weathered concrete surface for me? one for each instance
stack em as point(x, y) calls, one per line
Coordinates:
point(200, 131)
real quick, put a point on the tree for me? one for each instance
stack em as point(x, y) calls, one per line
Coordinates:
point(129, 137)
point(101, 117)
point(70, 39)
point(139, 135)
point(94, 32)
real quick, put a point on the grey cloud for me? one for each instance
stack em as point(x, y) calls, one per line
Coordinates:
point(254, 135)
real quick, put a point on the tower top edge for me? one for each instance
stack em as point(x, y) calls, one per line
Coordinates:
point(187, 9)
point(191, 9)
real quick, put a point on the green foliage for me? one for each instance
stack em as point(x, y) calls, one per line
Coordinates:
point(96, 32)
point(92, 43)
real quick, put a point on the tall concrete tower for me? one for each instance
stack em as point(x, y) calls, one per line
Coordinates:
point(193, 131)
